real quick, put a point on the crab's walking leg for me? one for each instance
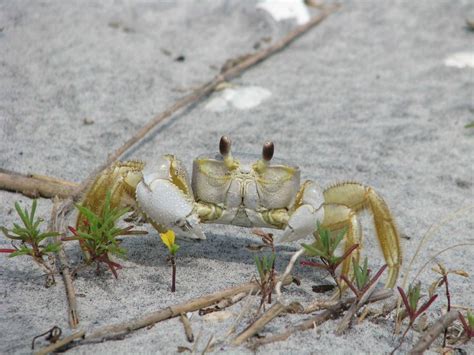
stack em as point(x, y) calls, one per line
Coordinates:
point(337, 217)
point(358, 197)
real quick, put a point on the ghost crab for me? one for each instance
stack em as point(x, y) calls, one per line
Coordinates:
point(263, 193)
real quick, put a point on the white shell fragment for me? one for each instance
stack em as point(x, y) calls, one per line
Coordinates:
point(242, 98)
point(460, 60)
point(286, 9)
point(216, 317)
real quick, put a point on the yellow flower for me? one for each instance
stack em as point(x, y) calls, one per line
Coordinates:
point(168, 240)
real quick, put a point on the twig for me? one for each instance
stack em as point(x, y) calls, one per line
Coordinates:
point(433, 332)
point(252, 329)
point(121, 329)
point(321, 317)
point(187, 327)
point(208, 345)
point(60, 343)
point(35, 185)
point(361, 299)
point(53, 335)
point(226, 302)
point(63, 267)
point(287, 272)
point(173, 311)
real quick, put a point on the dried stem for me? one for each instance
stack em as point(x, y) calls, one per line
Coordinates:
point(322, 317)
point(226, 302)
point(187, 327)
point(433, 332)
point(35, 185)
point(60, 343)
point(256, 326)
point(358, 303)
point(63, 267)
point(115, 331)
point(287, 272)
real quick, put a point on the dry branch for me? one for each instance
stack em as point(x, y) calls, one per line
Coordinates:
point(346, 320)
point(188, 330)
point(256, 326)
point(321, 317)
point(433, 332)
point(63, 268)
point(119, 330)
point(35, 185)
point(60, 343)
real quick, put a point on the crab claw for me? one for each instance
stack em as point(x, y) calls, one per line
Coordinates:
point(309, 210)
point(165, 197)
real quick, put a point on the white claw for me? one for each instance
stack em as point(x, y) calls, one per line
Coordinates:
point(166, 204)
point(303, 221)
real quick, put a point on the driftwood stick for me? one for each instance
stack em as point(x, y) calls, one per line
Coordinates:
point(433, 332)
point(226, 302)
point(115, 331)
point(121, 329)
point(35, 185)
point(63, 267)
point(188, 330)
point(321, 317)
point(251, 330)
point(60, 343)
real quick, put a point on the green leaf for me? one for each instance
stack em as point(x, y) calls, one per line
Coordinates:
point(51, 248)
point(24, 217)
point(32, 215)
point(414, 295)
point(470, 319)
point(174, 249)
point(312, 251)
point(22, 251)
point(259, 267)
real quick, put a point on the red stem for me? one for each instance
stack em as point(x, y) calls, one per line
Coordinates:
point(405, 302)
point(448, 297)
point(7, 250)
point(173, 276)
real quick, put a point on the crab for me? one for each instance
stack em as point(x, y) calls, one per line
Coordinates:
point(232, 190)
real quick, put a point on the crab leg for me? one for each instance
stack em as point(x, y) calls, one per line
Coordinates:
point(358, 197)
point(336, 217)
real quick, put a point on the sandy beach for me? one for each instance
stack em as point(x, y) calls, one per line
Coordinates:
point(373, 94)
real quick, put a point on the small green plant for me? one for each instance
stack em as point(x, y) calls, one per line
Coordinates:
point(362, 278)
point(325, 248)
point(98, 235)
point(467, 325)
point(168, 239)
point(266, 272)
point(33, 242)
point(410, 301)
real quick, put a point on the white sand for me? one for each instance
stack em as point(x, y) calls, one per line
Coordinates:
point(366, 96)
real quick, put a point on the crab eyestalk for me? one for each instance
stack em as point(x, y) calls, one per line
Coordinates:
point(225, 146)
point(267, 155)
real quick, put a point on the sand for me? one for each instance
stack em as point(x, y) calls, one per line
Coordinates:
point(365, 96)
